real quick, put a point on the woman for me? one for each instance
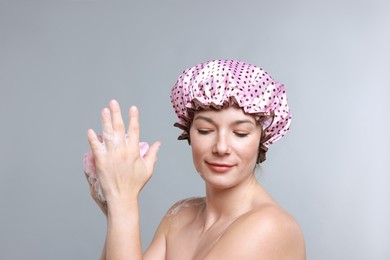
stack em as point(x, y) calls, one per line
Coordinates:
point(230, 112)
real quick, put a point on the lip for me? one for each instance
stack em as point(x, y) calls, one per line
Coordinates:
point(220, 167)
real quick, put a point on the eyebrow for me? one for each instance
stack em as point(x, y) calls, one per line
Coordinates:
point(237, 122)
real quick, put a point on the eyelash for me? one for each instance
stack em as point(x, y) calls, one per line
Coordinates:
point(241, 134)
point(203, 132)
point(238, 134)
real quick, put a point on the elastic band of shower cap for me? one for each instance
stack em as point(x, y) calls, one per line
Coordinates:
point(219, 83)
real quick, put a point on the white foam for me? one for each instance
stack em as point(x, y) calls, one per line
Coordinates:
point(114, 139)
point(185, 204)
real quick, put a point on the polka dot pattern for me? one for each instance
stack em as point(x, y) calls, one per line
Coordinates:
point(218, 83)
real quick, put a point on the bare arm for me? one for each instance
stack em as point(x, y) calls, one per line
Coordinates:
point(130, 232)
point(122, 173)
point(123, 232)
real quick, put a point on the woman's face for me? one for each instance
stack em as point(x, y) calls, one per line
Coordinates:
point(224, 146)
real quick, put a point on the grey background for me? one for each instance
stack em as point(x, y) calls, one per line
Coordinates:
point(62, 61)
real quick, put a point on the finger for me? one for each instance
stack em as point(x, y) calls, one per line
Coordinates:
point(151, 156)
point(94, 190)
point(133, 131)
point(116, 118)
point(102, 205)
point(88, 179)
point(94, 142)
point(91, 187)
point(107, 127)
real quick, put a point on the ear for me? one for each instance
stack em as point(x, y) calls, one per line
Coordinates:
point(262, 151)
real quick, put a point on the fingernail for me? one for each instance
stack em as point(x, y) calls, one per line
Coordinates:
point(106, 111)
point(114, 102)
point(90, 132)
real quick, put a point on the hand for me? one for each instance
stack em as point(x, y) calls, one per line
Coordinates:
point(92, 189)
point(121, 171)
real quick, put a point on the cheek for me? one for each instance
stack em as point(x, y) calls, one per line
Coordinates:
point(250, 151)
point(196, 151)
point(197, 145)
point(200, 150)
point(196, 158)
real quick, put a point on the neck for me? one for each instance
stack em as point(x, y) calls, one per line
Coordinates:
point(229, 203)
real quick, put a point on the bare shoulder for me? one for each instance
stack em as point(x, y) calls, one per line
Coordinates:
point(177, 217)
point(186, 206)
point(270, 221)
point(181, 212)
point(267, 232)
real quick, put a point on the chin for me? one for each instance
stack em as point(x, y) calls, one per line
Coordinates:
point(220, 182)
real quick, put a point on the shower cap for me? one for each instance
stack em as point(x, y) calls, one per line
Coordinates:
point(219, 83)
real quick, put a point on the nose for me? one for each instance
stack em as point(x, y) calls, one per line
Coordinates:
point(222, 145)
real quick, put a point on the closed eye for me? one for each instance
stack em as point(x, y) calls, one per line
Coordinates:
point(204, 131)
point(239, 134)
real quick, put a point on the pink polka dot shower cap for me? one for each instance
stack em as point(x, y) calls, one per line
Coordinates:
point(219, 83)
